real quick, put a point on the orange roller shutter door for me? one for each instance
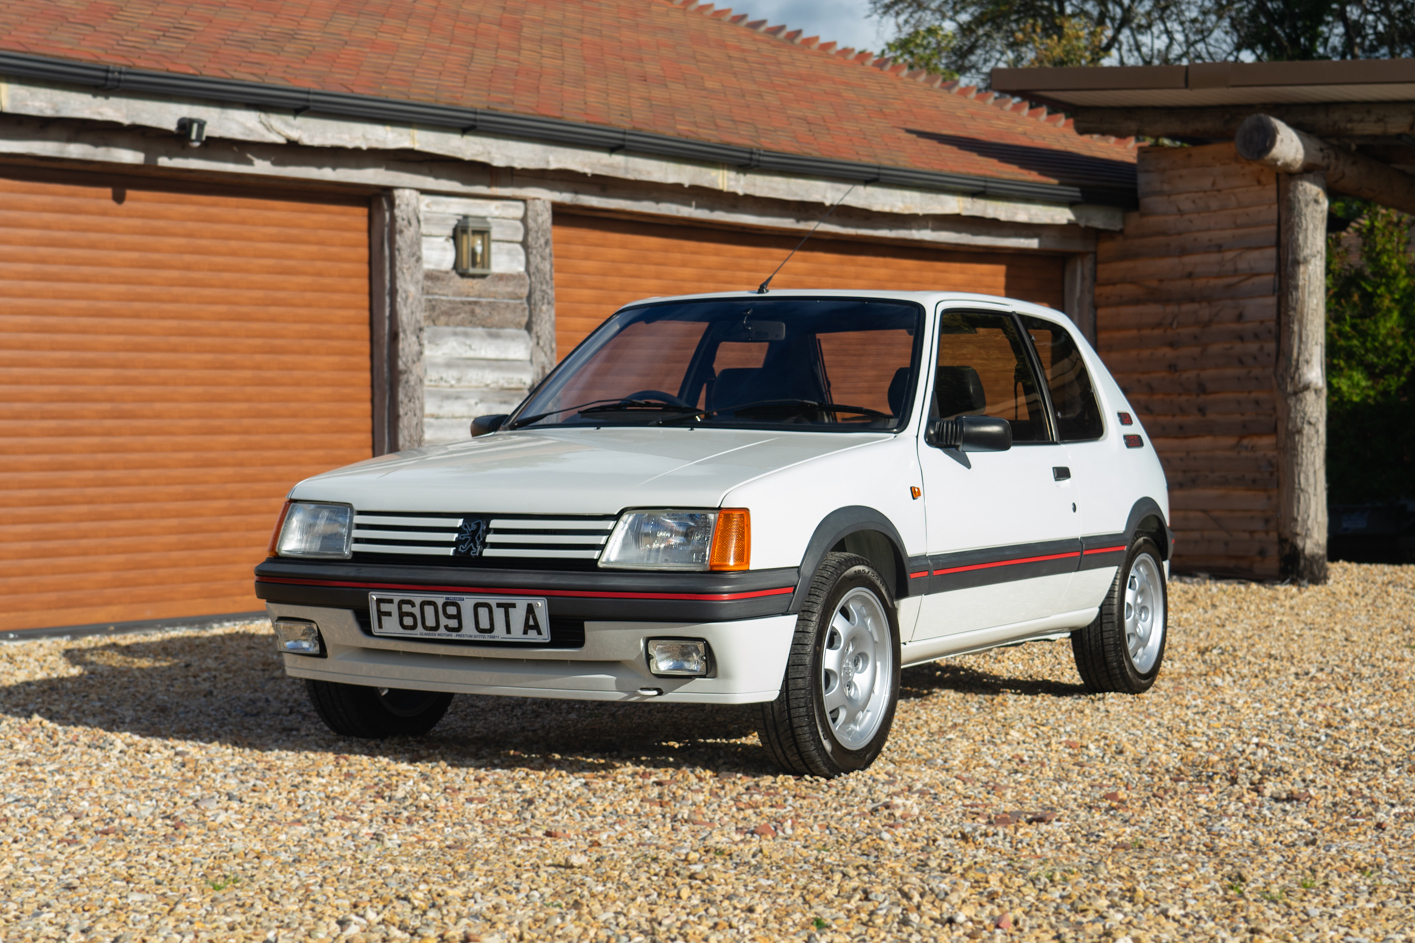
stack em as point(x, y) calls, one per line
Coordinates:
point(603, 262)
point(173, 360)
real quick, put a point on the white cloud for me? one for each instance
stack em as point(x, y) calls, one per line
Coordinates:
point(845, 22)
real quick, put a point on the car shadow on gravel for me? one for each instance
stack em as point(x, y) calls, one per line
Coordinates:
point(923, 680)
point(231, 688)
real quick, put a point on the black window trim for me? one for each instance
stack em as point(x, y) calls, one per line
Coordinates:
point(901, 425)
point(1046, 386)
point(1038, 375)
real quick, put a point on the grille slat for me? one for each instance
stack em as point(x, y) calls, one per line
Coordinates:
point(539, 553)
point(443, 537)
point(542, 524)
point(499, 540)
point(526, 537)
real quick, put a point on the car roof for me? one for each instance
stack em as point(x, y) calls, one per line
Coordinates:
point(925, 298)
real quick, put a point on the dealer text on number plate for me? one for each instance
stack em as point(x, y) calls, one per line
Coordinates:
point(469, 618)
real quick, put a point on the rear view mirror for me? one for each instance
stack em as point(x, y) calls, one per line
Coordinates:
point(482, 425)
point(756, 332)
point(971, 434)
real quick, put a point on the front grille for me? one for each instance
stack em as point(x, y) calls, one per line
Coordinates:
point(511, 537)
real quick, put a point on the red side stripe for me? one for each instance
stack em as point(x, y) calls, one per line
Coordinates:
point(502, 591)
point(1107, 549)
point(986, 566)
point(914, 576)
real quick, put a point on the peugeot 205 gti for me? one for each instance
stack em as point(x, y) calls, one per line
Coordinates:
point(779, 499)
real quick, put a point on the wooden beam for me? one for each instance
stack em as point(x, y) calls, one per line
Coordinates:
point(1301, 377)
point(1333, 120)
point(1273, 143)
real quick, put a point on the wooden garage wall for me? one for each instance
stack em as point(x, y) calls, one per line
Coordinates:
point(602, 263)
point(172, 361)
point(1186, 314)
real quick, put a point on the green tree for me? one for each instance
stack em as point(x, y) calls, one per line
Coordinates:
point(983, 34)
point(928, 47)
point(1371, 358)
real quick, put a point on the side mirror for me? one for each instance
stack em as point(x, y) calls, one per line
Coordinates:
point(971, 434)
point(484, 425)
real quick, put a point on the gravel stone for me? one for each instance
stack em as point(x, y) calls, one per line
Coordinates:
point(176, 786)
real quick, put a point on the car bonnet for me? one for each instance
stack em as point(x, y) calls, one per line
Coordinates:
point(574, 471)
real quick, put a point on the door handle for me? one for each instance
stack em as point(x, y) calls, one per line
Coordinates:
point(1060, 472)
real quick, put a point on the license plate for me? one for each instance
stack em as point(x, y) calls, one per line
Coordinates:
point(462, 618)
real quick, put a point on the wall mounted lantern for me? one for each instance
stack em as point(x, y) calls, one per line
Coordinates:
point(471, 241)
point(191, 131)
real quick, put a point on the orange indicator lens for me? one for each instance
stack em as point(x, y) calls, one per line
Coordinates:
point(731, 540)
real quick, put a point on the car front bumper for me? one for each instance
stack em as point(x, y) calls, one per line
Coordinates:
point(748, 660)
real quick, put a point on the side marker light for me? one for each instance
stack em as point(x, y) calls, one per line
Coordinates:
point(915, 492)
point(1126, 419)
point(731, 540)
point(1134, 442)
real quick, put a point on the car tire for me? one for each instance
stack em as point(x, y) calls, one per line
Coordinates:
point(353, 710)
point(1123, 649)
point(841, 686)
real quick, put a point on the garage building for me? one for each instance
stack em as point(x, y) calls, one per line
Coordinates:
point(227, 240)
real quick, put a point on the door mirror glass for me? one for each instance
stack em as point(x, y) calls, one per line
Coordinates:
point(1078, 414)
point(984, 369)
point(971, 434)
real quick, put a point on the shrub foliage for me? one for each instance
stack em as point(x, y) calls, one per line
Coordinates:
point(1371, 359)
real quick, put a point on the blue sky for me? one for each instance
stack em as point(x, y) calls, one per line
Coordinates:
point(846, 22)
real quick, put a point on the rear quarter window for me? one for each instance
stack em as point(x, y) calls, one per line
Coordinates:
point(1073, 396)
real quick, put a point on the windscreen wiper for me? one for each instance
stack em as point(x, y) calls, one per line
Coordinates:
point(644, 404)
point(527, 420)
point(807, 404)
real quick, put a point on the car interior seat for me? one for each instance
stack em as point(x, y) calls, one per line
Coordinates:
point(898, 386)
point(737, 386)
point(958, 391)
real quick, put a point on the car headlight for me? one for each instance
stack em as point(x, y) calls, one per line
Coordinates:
point(680, 540)
point(316, 530)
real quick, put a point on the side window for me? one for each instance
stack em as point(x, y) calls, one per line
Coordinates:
point(984, 370)
point(1078, 414)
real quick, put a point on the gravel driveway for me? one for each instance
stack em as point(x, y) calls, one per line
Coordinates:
point(177, 785)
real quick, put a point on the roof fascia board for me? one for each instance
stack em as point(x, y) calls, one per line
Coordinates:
point(369, 107)
point(1057, 81)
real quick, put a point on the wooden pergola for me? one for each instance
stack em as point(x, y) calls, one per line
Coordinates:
point(1300, 130)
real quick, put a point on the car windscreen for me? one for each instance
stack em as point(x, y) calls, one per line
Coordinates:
point(824, 364)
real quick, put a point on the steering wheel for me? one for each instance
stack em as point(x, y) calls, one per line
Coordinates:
point(660, 396)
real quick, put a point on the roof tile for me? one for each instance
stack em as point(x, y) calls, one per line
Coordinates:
point(646, 65)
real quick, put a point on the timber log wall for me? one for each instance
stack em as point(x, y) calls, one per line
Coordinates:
point(1186, 319)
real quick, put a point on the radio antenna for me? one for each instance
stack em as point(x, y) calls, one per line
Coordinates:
point(764, 287)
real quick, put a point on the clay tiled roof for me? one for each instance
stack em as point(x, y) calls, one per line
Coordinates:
point(683, 69)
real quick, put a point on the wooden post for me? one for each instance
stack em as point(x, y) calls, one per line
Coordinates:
point(1301, 377)
point(405, 341)
point(1079, 294)
point(540, 295)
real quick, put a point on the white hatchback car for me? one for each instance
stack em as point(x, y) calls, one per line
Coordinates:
point(776, 498)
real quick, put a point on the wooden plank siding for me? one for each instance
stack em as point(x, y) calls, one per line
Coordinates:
point(1186, 312)
point(172, 360)
point(602, 263)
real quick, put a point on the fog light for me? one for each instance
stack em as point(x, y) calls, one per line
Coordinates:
point(298, 637)
point(678, 656)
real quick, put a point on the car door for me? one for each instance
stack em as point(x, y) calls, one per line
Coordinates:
point(1002, 530)
point(1095, 466)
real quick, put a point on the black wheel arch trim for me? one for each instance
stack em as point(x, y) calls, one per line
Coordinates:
point(841, 523)
point(1143, 508)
